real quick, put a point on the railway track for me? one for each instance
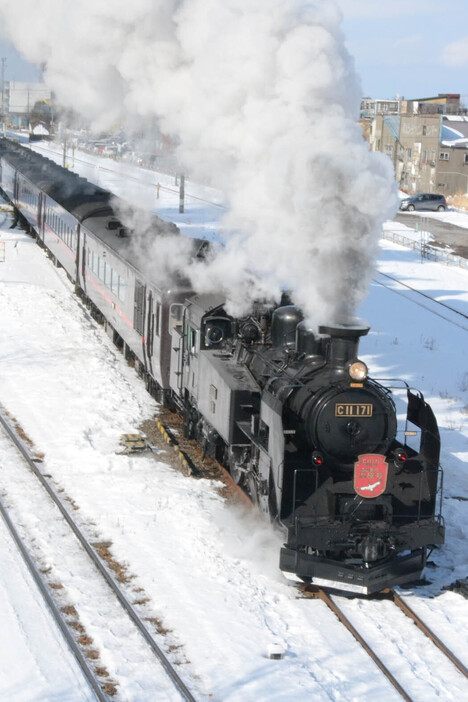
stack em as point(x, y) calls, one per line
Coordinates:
point(154, 184)
point(56, 612)
point(335, 604)
point(169, 430)
point(120, 607)
point(440, 309)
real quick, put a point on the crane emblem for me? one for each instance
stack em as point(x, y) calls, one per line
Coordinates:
point(370, 475)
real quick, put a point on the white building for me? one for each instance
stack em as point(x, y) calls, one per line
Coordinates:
point(20, 98)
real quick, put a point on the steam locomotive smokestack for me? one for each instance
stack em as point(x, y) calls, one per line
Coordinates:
point(344, 341)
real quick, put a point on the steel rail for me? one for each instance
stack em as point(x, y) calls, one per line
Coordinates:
point(406, 609)
point(151, 184)
point(169, 433)
point(59, 619)
point(432, 299)
point(317, 593)
point(420, 304)
point(126, 605)
point(148, 183)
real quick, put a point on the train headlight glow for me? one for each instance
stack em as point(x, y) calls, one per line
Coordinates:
point(357, 370)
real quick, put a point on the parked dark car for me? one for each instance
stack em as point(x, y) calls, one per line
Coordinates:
point(424, 201)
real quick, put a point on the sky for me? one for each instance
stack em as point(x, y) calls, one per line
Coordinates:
point(414, 49)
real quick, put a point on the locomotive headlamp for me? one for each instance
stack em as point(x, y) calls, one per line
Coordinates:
point(357, 370)
point(214, 334)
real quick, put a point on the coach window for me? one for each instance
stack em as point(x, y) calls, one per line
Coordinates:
point(192, 340)
point(139, 307)
point(108, 278)
point(158, 319)
point(122, 288)
point(115, 283)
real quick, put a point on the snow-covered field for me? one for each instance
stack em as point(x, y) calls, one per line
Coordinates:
point(209, 570)
point(203, 205)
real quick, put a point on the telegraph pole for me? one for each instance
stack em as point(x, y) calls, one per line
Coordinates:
point(181, 193)
point(3, 95)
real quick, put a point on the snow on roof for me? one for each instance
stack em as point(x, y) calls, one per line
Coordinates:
point(450, 134)
point(456, 118)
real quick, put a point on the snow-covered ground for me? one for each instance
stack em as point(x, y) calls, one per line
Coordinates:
point(203, 205)
point(36, 663)
point(209, 570)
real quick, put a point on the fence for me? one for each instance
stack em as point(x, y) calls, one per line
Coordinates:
point(431, 253)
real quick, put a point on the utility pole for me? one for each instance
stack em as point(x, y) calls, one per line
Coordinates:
point(3, 95)
point(182, 193)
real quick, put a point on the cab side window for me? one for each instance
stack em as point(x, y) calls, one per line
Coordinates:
point(192, 340)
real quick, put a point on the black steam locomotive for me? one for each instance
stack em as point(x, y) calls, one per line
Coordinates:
point(290, 411)
point(315, 442)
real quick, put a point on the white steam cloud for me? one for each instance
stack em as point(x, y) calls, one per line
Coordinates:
point(264, 101)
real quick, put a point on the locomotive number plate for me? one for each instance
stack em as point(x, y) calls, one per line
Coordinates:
point(353, 409)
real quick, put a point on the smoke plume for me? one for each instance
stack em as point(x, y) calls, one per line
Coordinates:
point(263, 99)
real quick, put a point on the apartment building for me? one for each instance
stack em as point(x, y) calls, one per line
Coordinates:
point(427, 144)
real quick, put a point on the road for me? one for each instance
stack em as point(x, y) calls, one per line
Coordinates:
point(444, 234)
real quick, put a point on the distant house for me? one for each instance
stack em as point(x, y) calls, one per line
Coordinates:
point(442, 104)
point(427, 143)
point(19, 99)
point(370, 107)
